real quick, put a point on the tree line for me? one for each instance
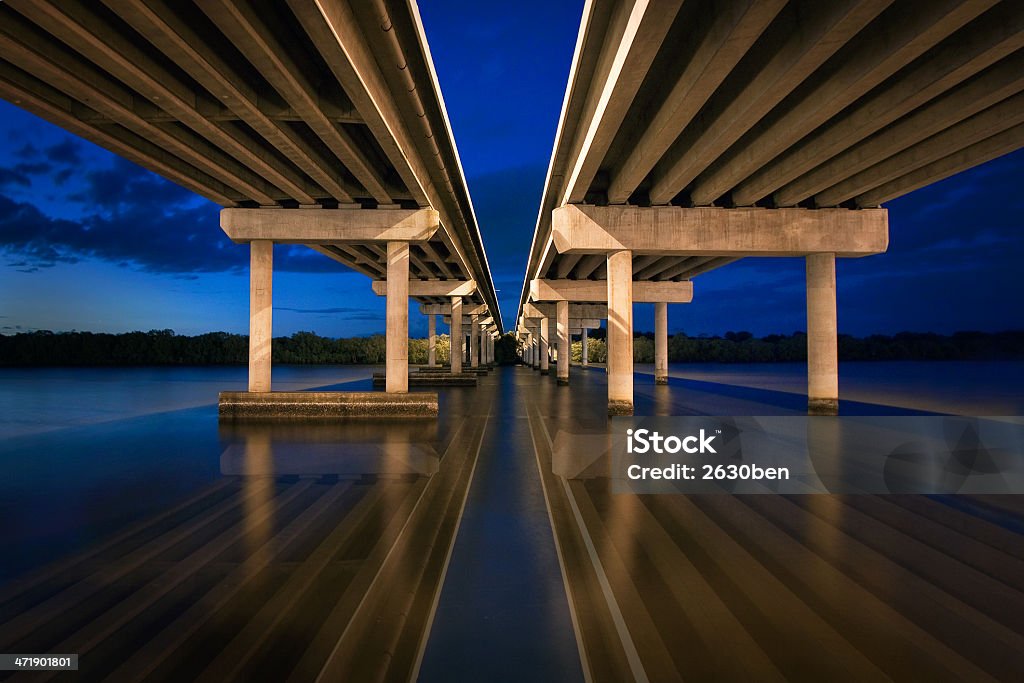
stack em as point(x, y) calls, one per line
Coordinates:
point(164, 347)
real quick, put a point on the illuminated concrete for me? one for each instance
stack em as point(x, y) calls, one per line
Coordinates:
point(822, 336)
point(261, 307)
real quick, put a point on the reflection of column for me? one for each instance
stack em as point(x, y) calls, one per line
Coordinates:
point(620, 333)
point(543, 347)
point(584, 358)
point(257, 495)
point(455, 334)
point(261, 306)
point(396, 340)
point(822, 350)
point(431, 340)
point(661, 343)
point(562, 330)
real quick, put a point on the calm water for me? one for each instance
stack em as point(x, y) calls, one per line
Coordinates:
point(83, 451)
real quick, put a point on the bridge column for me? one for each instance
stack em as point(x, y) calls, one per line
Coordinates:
point(455, 335)
point(396, 370)
point(431, 340)
point(661, 343)
point(822, 336)
point(474, 346)
point(542, 347)
point(261, 306)
point(620, 333)
point(562, 332)
point(583, 348)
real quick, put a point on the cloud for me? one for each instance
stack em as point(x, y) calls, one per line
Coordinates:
point(9, 176)
point(67, 152)
point(324, 310)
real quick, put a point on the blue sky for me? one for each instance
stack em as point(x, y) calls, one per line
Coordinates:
point(89, 241)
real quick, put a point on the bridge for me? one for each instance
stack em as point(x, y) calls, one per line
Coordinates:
point(694, 134)
point(320, 124)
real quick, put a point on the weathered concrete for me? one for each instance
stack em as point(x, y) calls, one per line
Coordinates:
point(432, 288)
point(562, 333)
point(711, 231)
point(661, 343)
point(542, 347)
point(261, 307)
point(595, 290)
point(822, 336)
point(235, 405)
point(455, 335)
point(474, 342)
point(397, 333)
point(329, 226)
point(620, 333)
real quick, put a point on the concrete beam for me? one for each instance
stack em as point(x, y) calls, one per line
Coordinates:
point(446, 309)
point(458, 288)
point(720, 232)
point(597, 290)
point(533, 310)
point(329, 226)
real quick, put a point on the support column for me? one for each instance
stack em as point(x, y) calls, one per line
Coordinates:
point(584, 359)
point(474, 346)
point(455, 334)
point(396, 370)
point(431, 340)
point(543, 346)
point(822, 336)
point(562, 331)
point(261, 306)
point(620, 333)
point(661, 343)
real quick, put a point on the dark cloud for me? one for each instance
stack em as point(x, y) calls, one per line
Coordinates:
point(10, 177)
point(336, 310)
point(27, 151)
point(67, 152)
point(33, 168)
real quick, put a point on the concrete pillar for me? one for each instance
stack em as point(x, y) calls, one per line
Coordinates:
point(822, 336)
point(542, 348)
point(584, 359)
point(620, 333)
point(261, 306)
point(431, 340)
point(474, 347)
point(562, 331)
point(396, 339)
point(456, 335)
point(661, 343)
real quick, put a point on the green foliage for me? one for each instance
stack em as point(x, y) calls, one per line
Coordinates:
point(506, 349)
point(164, 347)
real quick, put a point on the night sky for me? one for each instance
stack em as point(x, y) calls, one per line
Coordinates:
point(89, 241)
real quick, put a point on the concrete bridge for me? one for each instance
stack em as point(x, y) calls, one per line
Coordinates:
point(319, 124)
point(693, 134)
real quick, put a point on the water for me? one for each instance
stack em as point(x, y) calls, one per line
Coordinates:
point(953, 387)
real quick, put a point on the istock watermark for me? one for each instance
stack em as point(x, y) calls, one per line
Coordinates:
point(793, 455)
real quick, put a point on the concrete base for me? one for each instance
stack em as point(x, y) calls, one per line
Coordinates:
point(620, 408)
point(446, 370)
point(545, 372)
point(236, 405)
point(562, 382)
point(661, 380)
point(464, 379)
point(822, 406)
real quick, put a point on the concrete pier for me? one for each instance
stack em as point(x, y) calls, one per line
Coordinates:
point(397, 337)
point(542, 348)
point(584, 351)
point(620, 333)
point(661, 343)
point(241, 405)
point(562, 332)
point(822, 336)
point(261, 306)
point(455, 335)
